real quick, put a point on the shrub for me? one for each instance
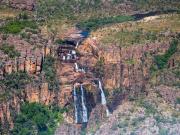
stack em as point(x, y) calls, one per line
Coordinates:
point(25, 35)
point(149, 107)
point(23, 16)
point(59, 41)
point(16, 80)
point(178, 100)
point(163, 131)
point(93, 24)
point(123, 124)
point(9, 50)
point(4, 36)
point(17, 26)
point(161, 60)
point(50, 72)
point(35, 118)
point(177, 73)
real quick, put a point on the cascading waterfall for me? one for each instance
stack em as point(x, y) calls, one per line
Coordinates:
point(77, 44)
point(103, 98)
point(78, 69)
point(84, 108)
point(75, 105)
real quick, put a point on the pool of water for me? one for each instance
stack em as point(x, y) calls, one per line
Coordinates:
point(85, 34)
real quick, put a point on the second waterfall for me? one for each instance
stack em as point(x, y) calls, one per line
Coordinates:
point(81, 111)
point(103, 98)
point(84, 108)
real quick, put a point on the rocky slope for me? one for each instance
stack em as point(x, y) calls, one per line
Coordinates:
point(149, 115)
point(139, 102)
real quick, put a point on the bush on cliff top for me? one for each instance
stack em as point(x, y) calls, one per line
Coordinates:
point(162, 60)
point(93, 24)
point(16, 26)
point(50, 72)
point(10, 50)
point(35, 118)
point(17, 80)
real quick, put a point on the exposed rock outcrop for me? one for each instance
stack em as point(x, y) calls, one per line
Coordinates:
point(20, 4)
point(32, 93)
point(124, 67)
point(30, 59)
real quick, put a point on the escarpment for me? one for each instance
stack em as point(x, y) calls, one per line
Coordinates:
point(126, 68)
point(123, 65)
point(81, 73)
point(24, 58)
point(30, 59)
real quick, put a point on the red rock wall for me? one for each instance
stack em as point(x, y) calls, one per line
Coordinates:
point(31, 94)
point(129, 67)
point(21, 4)
point(30, 63)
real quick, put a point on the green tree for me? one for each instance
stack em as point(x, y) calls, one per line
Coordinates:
point(36, 119)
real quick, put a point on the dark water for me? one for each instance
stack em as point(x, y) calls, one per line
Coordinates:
point(85, 34)
point(73, 42)
point(139, 16)
point(153, 13)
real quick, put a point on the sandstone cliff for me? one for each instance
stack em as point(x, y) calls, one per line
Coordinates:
point(20, 4)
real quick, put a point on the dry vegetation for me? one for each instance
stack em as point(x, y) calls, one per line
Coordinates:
point(6, 13)
point(149, 30)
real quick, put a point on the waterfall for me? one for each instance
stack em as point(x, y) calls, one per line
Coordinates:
point(76, 67)
point(103, 98)
point(75, 100)
point(77, 44)
point(64, 57)
point(79, 69)
point(84, 109)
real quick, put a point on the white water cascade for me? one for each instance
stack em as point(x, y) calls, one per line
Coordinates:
point(103, 98)
point(75, 100)
point(84, 108)
point(78, 69)
point(77, 44)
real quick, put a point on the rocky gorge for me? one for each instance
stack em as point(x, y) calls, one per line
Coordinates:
point(103, 87)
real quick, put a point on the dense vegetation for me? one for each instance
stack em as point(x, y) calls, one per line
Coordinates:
point(72, 8)
point(161, 60)
point(35, 118)
point(66, 9)
point(9, 50)
point(92, 24)
point(16, 26)
point(50, 72)
point(95, 13)
point(15, 81)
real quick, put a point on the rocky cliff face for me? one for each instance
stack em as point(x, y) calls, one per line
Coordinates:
point(126, 67)
point(30, 59)
point(10, 107)
point(20, 4)
point(149, 115)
